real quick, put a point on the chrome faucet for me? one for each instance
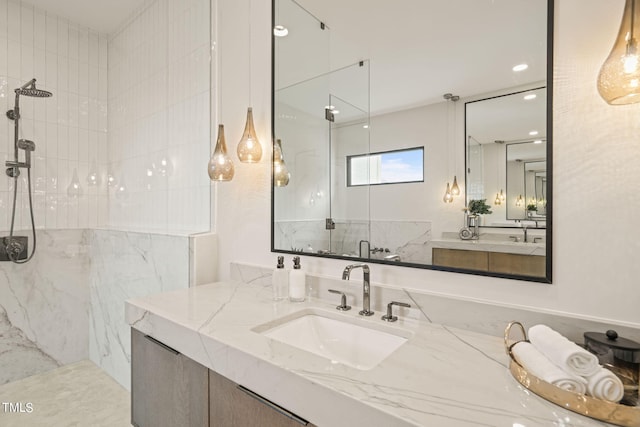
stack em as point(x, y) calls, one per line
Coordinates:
point(366, 287)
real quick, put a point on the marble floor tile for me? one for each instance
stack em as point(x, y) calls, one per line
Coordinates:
point(79, 394)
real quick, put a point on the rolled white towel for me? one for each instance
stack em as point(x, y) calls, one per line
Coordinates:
point(562, 352)
point(605, 385)
point(536, 363)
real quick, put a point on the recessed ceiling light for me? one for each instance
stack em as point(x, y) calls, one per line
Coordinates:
point(334, 111)
point(280, 31)
point(329, 107)
point(533, 133)
point(537, 141)
point(530, 96)
point(366, 126)
point(520, 67)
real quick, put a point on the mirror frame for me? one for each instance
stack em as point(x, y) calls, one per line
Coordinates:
point(549, 128)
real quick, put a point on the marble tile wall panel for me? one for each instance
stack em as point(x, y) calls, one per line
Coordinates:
point(127, 265)
point(405, 238)
point(44, 307)
point(408, 239)
point(299, 235)
point(467, 314)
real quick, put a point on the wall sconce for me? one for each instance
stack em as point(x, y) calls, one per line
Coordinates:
point(281, 174)
point(619, 77)
point(220, 164)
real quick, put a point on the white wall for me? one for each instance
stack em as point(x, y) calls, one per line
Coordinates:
point(159, 65)
point(69, 129)
point(596, 242)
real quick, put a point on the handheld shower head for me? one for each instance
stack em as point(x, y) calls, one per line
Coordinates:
point(26, 145)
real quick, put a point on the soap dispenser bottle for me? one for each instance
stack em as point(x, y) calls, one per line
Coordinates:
point(280, 281)
point(297, 282)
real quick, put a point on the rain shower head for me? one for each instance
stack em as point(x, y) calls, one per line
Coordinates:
point(38, 93)
point(29, 89)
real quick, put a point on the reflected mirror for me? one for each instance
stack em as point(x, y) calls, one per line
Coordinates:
point(370, 143)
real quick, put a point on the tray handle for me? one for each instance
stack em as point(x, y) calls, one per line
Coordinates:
point(507, 335)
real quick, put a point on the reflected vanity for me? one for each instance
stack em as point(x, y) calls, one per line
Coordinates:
point(369, 142)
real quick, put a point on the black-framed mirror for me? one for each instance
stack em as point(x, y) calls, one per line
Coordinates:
point(347, 83)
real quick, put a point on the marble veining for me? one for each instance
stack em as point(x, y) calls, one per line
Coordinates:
point(44, 305)
point(442, 376)
point(127, 265)
point(405, 238)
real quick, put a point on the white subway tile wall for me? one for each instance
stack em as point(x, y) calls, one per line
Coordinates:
point(159, 91)
point(133, 105)
point(68, 133)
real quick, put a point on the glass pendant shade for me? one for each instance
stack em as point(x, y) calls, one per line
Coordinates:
point(455, 189)
point(502, 197)
point(497, 201)
point(249, 148)
point(74, 190)
point(281, 174)
point(93, 178)
point(220, 164)
point(448, 197)
point(619, 78)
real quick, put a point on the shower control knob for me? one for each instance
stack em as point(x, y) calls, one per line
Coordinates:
point(15, 247)
point(13, 172)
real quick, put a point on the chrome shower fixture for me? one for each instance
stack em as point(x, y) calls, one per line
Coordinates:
point(29, 89)
point(15, 247)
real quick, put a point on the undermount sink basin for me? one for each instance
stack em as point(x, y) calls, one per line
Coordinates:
point(350, 341)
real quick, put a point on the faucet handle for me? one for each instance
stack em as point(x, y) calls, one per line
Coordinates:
point(515, 238)
point(389, 317)
point(343, 301)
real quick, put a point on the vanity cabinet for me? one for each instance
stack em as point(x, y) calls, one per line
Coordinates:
point(494, 262)
point(232, 405)
point(169, 390)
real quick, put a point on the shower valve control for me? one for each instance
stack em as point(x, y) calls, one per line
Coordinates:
point(15, 246)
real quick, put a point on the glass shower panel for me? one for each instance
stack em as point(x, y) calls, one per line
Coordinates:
point(349, 114)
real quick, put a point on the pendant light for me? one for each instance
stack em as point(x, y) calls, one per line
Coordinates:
point(448, 197)
point(619, 77)
point(281, 174)
point(249, 148)
point(497, 201)
point(519, 200)
point(220, 164)
point(502, 197)
point(454, 190)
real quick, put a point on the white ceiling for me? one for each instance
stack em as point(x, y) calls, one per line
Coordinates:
point(421, 49)
point(103, 16)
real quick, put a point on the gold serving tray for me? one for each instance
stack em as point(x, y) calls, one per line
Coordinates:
point(614, 413)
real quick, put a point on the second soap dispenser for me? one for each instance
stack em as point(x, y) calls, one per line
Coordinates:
point(297, 282)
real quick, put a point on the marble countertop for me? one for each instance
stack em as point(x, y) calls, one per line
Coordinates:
point(442, 376)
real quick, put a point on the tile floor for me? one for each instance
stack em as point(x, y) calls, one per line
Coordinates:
point(80, 394)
